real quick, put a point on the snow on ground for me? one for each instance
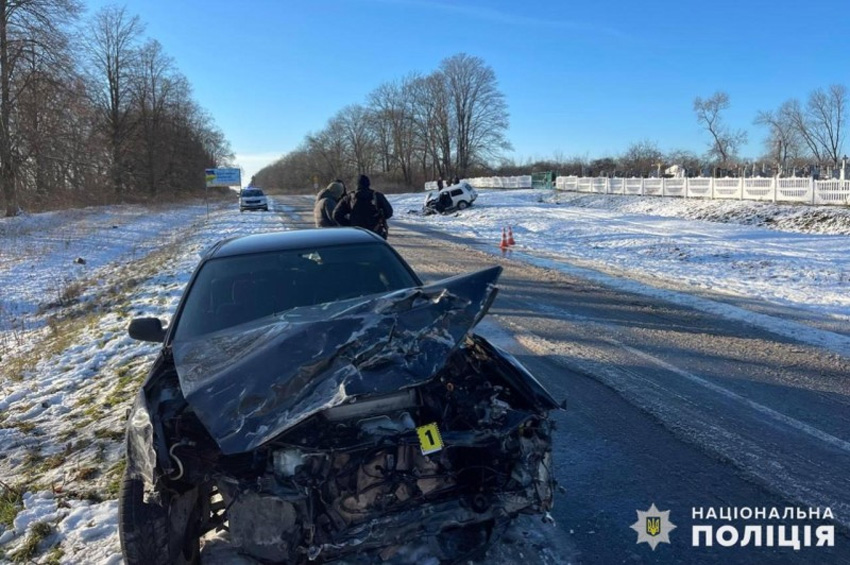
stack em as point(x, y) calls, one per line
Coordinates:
point(69, 371)
point(685, 251)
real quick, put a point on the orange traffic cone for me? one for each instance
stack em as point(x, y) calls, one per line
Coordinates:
point(511, 236)
point(504, 245)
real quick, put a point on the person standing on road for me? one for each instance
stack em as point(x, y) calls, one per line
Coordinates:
point(326, 201)
point(365, 208)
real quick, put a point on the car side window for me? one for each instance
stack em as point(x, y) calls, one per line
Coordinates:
point(457, 192)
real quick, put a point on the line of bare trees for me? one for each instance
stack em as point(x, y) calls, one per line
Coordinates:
point(812, 132)
point(640, 159)
point(447, 123)
point(92, 112)
point(798, 134)
point(801, 137)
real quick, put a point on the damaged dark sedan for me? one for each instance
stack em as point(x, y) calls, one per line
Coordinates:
point(315, 400)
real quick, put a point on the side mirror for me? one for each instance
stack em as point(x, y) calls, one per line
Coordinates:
point(146, 329)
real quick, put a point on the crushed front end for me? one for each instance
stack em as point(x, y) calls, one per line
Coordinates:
point(401, 430)
point(447, 464)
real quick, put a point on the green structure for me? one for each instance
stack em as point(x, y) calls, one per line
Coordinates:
point(543, 180)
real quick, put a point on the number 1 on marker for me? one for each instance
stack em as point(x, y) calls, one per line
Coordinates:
point(429, 438)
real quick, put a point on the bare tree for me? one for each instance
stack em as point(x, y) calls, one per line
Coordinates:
point(354, 122)
point(41, 133)
point(602, 167)
point(113, 55)
point(803, 128)
point(424, 110)
point(32, 30)
point(193, 143)
point(382, 133)
point(291, 172)
point(331, 145)
point(153, 84)
point(434, 122)
point(212, 142)
point(827, 113)
point(725, 142)
point(480, 111)
point(641, 159)
point(784, 139)
point(392, 104)
point(64, 139)
point(443, 124)
point(686, 159)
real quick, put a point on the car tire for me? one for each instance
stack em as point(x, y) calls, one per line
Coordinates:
point(462, 205)
point(146, 531)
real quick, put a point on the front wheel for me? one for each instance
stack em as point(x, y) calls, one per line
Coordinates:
point(462, 205)
point(158, 535)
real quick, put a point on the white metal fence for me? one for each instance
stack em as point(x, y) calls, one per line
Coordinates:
point(836, 192)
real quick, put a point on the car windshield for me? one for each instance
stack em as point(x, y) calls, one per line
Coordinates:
point(233, 290)
point(252, 192)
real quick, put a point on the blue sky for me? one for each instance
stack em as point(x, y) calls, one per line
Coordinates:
point(580, 78)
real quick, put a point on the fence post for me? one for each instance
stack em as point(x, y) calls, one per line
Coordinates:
point(813, 185)
point(741, 189)
point(711, 183)
point(774, 182)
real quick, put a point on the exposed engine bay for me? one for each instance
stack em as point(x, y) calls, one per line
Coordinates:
point(444, 461)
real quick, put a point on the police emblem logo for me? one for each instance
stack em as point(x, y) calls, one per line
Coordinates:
point(653, 526)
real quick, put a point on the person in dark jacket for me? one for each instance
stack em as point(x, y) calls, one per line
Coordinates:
point(444, 202)
point(326, 201)
point(365, 208)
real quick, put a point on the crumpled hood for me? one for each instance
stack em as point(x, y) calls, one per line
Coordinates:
point(250, 383)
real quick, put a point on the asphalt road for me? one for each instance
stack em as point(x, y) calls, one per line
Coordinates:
point(666, 406)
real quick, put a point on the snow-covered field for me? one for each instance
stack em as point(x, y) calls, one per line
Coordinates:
point(710, 255)
point(789, 254)
point(68, 371)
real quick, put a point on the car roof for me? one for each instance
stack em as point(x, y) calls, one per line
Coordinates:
point(291, 239)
